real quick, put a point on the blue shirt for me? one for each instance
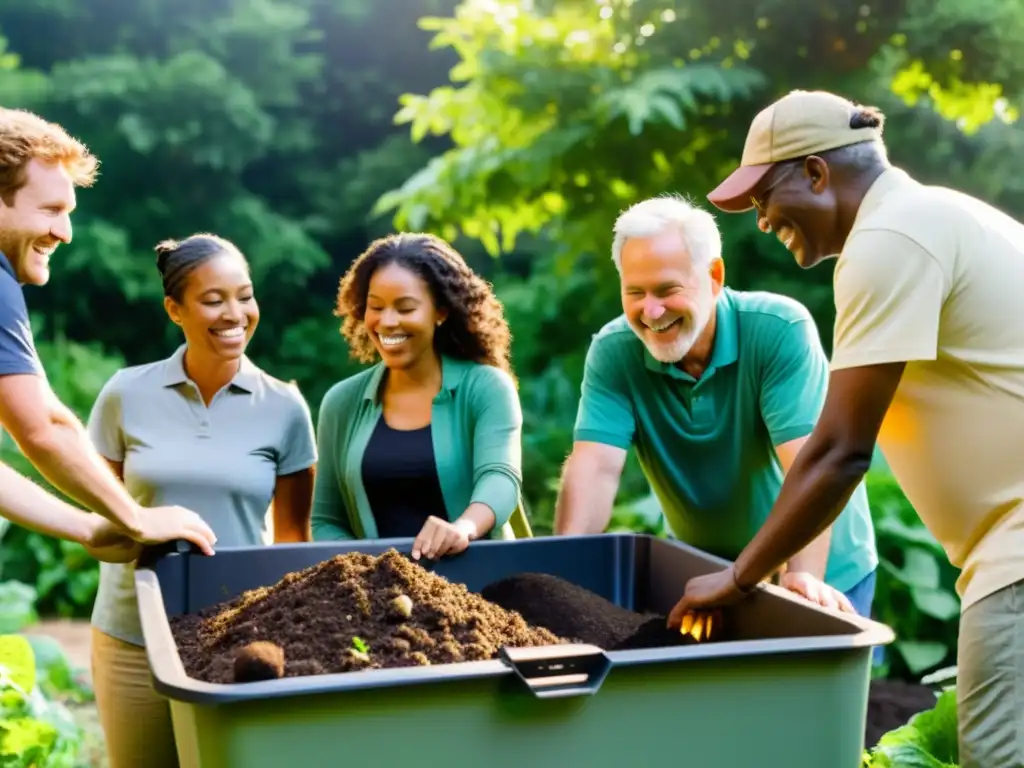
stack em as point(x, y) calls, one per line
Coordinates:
point(707, 446)
point(17, 349)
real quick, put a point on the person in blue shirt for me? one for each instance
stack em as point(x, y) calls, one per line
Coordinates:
point(40, 167)
point(717, 390)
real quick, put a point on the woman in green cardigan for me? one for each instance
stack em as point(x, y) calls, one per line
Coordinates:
point(425, 444)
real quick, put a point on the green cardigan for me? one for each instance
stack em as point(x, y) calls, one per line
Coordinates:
point(476, 425)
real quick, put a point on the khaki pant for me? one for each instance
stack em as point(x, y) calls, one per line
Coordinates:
point(990, 681)
point(136, 720)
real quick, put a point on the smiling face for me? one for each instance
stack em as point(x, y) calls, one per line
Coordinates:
point(218, 312)
point(401, 316)
point(37, 220)
point(796, 201)
point(667, 300)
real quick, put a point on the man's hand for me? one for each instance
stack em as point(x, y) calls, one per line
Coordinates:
point(817, 591)
point(716, 590)
point(110, 543)
point(439, 537)
point(160, 524)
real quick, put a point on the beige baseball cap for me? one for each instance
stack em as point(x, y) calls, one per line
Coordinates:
point(801, 123)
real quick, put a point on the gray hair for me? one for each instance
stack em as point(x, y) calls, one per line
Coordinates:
point(656, 215)
point(859, 157)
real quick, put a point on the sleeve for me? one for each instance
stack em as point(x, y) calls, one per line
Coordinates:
point(889, 292)
point(497, 446)
point(605, 413)
point(329, 519)
point(17, 350)
point(106, 424)
point(794, 380)
point(298, 450)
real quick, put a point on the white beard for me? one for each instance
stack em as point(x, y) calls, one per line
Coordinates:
point(673, 351)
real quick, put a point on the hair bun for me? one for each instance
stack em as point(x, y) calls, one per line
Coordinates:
point(164, 250)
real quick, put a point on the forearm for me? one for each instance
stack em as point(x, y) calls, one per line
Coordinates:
point(585, 501)
point(816, 489)
point(288, 530)
point(66, 458)
point(26, 504)
point(813, 558)
point(328, 523)
point(478, 520)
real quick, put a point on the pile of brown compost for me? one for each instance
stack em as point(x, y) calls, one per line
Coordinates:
point(352, 612)
point(572, 612)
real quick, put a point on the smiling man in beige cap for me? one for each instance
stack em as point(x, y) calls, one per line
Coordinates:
point(928, 361)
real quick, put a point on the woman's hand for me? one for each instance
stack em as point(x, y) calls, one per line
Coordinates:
point(439, 537)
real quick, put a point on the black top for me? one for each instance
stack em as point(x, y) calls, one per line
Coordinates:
point(401, 480)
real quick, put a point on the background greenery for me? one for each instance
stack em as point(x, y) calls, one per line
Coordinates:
point(301, 129)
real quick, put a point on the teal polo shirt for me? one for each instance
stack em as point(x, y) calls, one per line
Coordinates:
point(707, 445)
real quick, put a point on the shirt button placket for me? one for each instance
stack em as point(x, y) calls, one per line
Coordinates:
point(202, 413)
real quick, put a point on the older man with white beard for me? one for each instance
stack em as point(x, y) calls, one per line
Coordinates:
point(717, 390)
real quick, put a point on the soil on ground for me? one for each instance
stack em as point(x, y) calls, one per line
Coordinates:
point(891, 704)
point(354, 611)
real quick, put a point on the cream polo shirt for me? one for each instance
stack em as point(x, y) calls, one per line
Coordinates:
point(935, 278)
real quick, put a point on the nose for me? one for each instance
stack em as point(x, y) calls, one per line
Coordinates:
point(61, 229)
point(233, 311)
point(653, 309)
point(389, 318)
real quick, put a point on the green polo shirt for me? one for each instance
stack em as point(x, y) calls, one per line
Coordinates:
point(707, 445)
point(476, 426)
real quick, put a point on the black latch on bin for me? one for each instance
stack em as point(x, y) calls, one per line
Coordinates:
point(151, 553)
point(554, 671)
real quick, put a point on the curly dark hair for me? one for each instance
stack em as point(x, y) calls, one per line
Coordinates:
point(475, 328)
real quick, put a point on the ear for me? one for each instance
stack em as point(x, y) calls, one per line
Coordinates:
point(442, 315)
point(173, 310)
point(717, 274)
point(817, 171)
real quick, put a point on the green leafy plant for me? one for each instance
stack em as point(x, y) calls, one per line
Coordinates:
point(928, 740)
point(34, 732)
point(360, 645)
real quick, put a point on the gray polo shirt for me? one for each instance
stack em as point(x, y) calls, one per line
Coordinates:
point(221, 461)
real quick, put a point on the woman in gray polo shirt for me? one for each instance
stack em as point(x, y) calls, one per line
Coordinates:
point(205, 429)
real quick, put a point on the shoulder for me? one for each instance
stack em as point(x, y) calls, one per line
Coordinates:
point(344, 393)
point(285, 394)
point(914, 219)
point(484, 383)
point(13, 309)
point(615, 339)
point(135, 378)
point(766, 318)
point(772, 327)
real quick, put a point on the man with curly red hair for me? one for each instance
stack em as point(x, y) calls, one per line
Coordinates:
point(40, 167)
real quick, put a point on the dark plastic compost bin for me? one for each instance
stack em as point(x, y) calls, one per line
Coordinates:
point(789, 688)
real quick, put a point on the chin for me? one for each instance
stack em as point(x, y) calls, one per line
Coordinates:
point(670, 352)
point(36, 277)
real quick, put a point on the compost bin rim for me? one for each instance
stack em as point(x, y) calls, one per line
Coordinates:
point(171, 680)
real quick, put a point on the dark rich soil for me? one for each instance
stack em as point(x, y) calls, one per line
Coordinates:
point(352, 612)
point(891, 703)
point(572, 612)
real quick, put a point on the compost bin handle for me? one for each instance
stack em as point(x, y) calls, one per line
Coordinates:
point(553, 671)
point(151, 553)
